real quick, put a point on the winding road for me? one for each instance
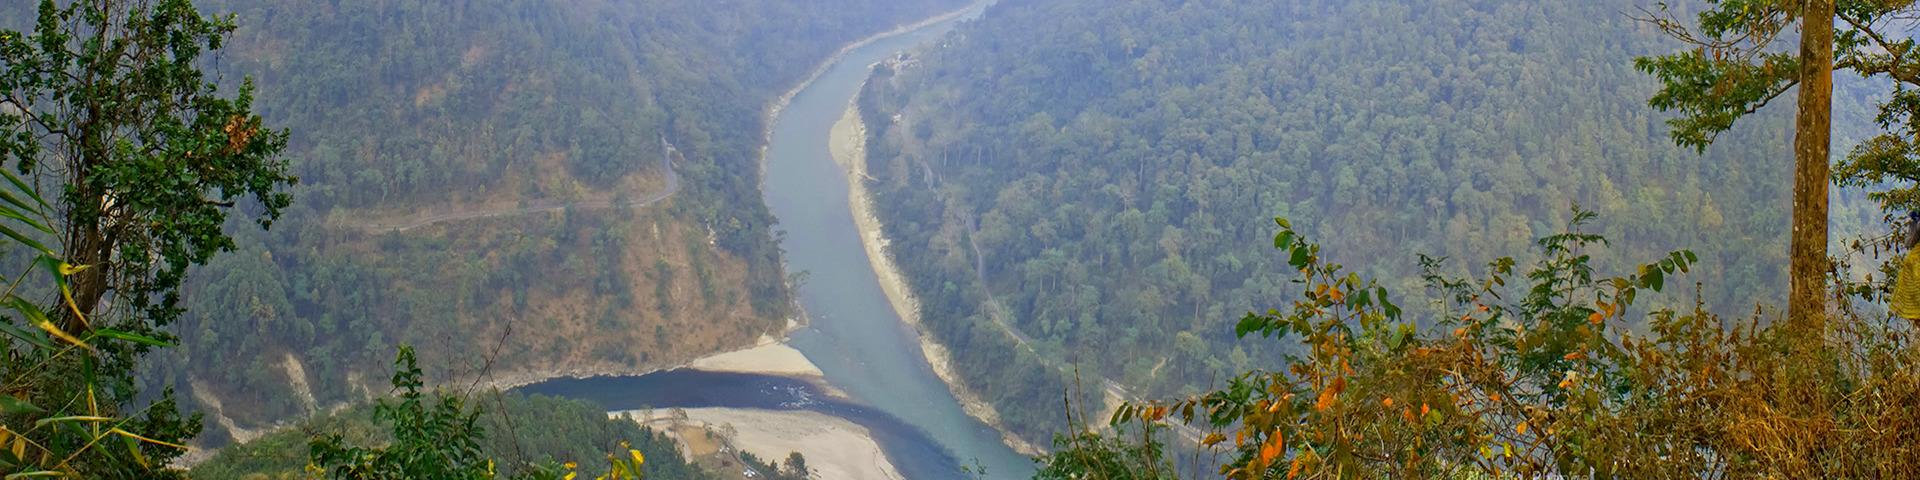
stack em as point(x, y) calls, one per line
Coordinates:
point(530, 206)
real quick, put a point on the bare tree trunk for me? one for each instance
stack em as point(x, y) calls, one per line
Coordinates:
point(1811, 143)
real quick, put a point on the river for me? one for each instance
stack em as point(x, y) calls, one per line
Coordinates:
point(853, 335)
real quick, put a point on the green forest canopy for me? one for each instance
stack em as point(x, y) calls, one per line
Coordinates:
point(1115, 161)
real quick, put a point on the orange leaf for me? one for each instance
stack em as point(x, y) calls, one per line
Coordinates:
point(1325, 401)
point(1574, 356)
point(1596, 318)
point(1521, 428)
point(1387, 402)
point(1272, 449)
point(1154, 414)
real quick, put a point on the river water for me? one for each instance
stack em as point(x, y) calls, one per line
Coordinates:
point(853, 335)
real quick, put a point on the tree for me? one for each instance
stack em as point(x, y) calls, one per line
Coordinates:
point(104, 110)
point(438, 440)
point(1731, 70)
point(796, 466)
point(1087, 455)
point(108, 98)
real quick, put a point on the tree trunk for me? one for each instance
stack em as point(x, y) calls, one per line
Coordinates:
point(1806, 306)
point(89, 285)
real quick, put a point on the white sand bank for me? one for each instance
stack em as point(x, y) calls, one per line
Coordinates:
point(769, 357)
point(835, 448)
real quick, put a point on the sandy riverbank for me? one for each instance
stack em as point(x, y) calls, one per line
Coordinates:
point(770, 356)
point(834, 447)
point(511, 379)
point(848, 146)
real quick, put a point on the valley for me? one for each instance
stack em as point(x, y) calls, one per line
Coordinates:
point(958, 239)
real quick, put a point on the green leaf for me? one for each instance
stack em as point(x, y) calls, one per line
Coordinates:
point(35, 474)
point(1654, 279)
point(137, 437)
point(39, 319)
point(11, 330)
point(11, 405)
point(1248, 324)
point(23, 218)
point(71, 418)
point(1299, 259)
point(133, 447)
point(1392, 311)
point(1283, 240)
point(22, 186)
point(23, 239)
point(1685, 259)
point(131, 337)
point(54, 267)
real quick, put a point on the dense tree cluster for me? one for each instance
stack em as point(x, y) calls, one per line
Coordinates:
point(1096, 168)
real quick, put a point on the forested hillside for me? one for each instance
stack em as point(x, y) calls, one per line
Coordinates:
point(1105, 170)
point(432, 137)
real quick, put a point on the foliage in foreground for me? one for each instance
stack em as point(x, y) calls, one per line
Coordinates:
point(442, 438)
point(1537, 373)
point(521, 430)
point(123, 162)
